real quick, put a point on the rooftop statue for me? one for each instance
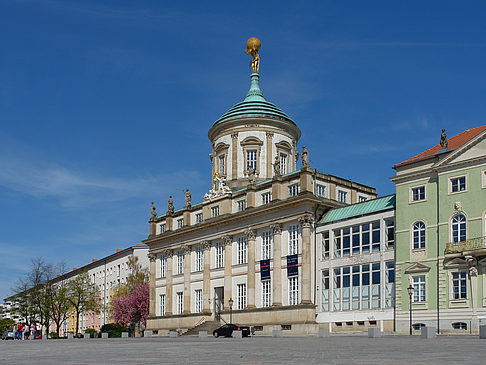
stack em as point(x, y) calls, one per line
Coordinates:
point(220, 187)
point(170, 205)
point(305, 157)
point(188, 198)
point(153, 211)
point(443, 139)
point(252, 46)
point(276, 167)
point(251, 176)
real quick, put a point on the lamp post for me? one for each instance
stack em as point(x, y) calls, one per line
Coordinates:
point(231, 309)
point(410, 293)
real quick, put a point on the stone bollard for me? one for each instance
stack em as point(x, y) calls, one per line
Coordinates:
point(124, 334)
point(428, 332)
point(277, 333)
point(173, 334)
point(323, 333)
point(70, 336)
point(482, 332)
point(86, 335)
point(147, 333)
point(104, 335)
point(203, 334)
point(374, 332)
point(237, 334)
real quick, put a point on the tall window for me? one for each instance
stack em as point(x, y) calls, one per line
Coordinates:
point(266, 198)
point(198, 300)
point(199, 217)
point(389, 283)
point(180, 223)
point(241, 205)
point(199, 258)
point(325, 245)
point(266, 293)
point(321, 190)
point(293, 190)
point(418, 193)
point(325, 290)
point(215, 211)
point(163, 266)
point(221, 161)
point(180, 302)
point(266, 245)
point(251, 159)
point(283, 163)
point(459, 285)
point(242, 246)
point(390, 233)
point(162, 228)
point(419, 288)
point(162, 304)
point(459, 228)
point(418, 231)
point(294, 290)
point(458, 184)
point(241, 296)
point(294, 239)
point(342, 196)
point(219, 254)
point(180, 262)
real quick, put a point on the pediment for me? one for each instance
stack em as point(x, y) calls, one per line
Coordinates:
point(221, 146)
point(251, 141)
point(284, 145)
point(456, 262)
point(416, 268)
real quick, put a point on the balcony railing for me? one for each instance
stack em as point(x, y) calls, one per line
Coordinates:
point(471, 244)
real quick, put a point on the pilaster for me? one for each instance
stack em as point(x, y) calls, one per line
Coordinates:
point(277, 264)
point(152, 227)
point(206, 276)
point(152, 300)
point(228, 280)
point(306, 222)
point(277, 188)
point(187, 278)
point(168, 285)
point(251, 196)
point(306, 180)
point(251, 236)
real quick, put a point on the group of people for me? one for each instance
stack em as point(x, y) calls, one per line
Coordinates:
point(23, 331)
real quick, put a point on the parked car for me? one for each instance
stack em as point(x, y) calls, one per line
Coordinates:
point(8, 335)
point(227, 330)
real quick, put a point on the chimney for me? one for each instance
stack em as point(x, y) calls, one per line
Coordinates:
point(74, 269)
point(139, 245)
point(118, 249)
point(58, 275)
point(94, 260)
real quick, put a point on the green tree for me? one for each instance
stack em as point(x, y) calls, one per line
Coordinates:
point(6, 324)
point(83, 296)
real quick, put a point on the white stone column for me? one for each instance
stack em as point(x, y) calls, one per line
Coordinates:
point(187, 279)
point(168, 283)
point(277, 264)
point(306, 222)
point(251, 236)
point(153, 267)
point(228, 272)
point(206, 276)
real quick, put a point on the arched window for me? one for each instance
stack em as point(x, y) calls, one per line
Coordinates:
point(418, 231)
point(459, 228)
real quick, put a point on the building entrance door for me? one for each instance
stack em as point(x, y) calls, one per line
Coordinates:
point(218, 301)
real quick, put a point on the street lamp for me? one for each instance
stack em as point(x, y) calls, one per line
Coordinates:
point(231, 308)
point(410, 293)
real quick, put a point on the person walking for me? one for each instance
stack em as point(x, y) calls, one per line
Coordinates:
point(26, 332)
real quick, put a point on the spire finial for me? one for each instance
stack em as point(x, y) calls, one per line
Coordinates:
point(252, 46)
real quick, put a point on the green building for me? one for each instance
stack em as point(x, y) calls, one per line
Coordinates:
point(440, 235)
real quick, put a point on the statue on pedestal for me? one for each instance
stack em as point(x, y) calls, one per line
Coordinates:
point(153, 211)
point(443, 140)
point(187, 195)
point(305, 157)
point(276, 167)
point(170, 205)
point(251, 176)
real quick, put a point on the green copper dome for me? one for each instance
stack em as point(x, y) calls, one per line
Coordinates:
point(254, 106)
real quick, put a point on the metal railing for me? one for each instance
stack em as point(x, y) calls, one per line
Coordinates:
point(471, 244)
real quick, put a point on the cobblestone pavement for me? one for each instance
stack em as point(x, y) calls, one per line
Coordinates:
point(339, 350)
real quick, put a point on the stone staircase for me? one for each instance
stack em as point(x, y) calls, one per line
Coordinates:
point(209, 326)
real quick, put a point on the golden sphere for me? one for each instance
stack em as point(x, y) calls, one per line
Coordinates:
point(253, 43)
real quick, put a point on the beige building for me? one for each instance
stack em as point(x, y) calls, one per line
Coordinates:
point(251, 243)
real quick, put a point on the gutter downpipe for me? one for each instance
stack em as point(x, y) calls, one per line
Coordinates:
point(438, 241)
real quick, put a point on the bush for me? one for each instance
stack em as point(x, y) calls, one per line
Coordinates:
point(91, 332)
point(53, 335)
point(114, 329)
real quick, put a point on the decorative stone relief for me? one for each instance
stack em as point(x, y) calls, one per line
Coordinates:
point(206, 245)
point(219, 188)
point(152, 257)
point(473, 266)
point(306, 220)
point(227, 240)
point(250, 233)
point(276, 228)
point(186, 249)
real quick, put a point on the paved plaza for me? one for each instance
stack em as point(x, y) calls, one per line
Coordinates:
point(340, 350)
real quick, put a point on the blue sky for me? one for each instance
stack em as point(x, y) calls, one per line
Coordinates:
point(105, 105)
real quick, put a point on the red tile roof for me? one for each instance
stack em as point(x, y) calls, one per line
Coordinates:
point(454, 142)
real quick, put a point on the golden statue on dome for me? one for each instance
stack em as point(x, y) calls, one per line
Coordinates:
point(252, 46)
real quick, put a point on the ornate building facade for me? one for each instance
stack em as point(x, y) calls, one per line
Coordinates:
point(249, 247)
